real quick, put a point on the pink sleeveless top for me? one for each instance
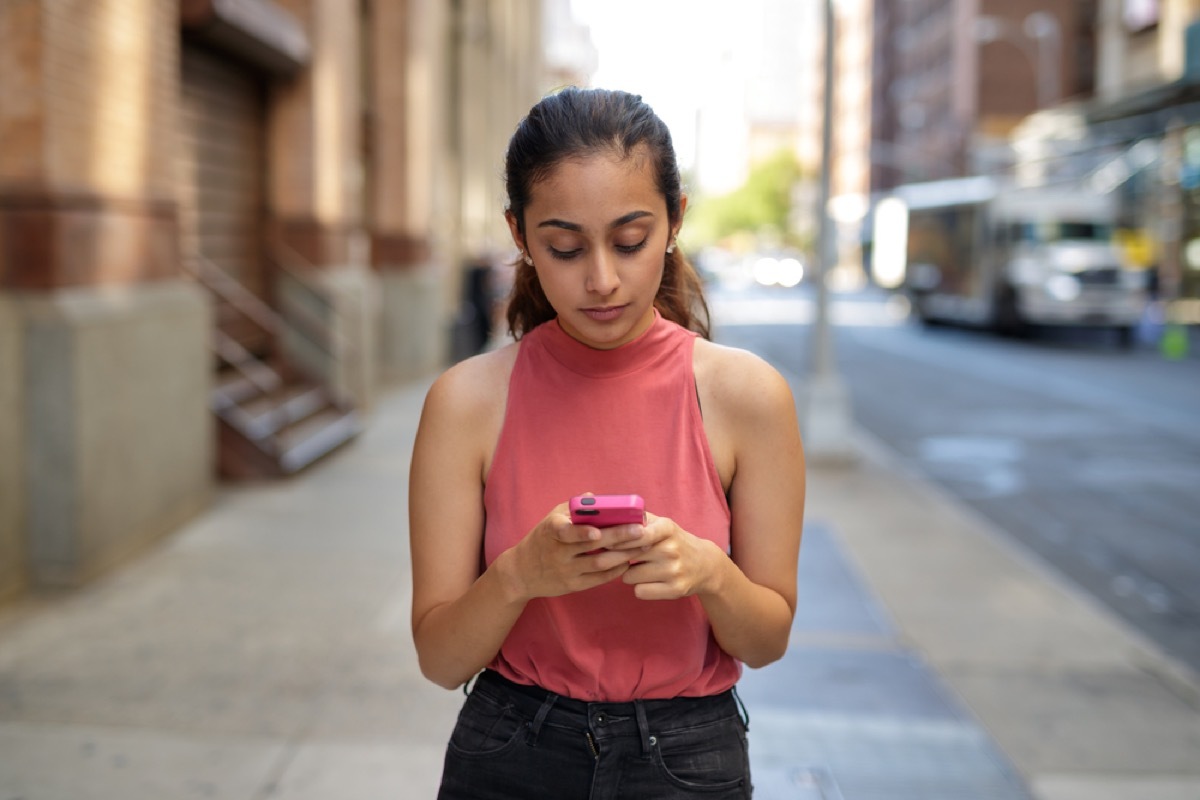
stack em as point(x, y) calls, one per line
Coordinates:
point(620, 421)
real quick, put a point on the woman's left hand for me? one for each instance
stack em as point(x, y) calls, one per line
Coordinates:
point(667, 562)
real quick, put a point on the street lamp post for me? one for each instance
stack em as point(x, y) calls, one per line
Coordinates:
point(826, 421)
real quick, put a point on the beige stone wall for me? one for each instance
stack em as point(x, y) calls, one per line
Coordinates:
point(12, 451)
point(119, 438)
point(411, 342)
point(349, 308)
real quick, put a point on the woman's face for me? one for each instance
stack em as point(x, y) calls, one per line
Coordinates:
point(597, 230)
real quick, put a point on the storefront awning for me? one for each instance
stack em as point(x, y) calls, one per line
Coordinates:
point(258, 31)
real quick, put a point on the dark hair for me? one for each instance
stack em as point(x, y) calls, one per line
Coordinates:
point(579, 122)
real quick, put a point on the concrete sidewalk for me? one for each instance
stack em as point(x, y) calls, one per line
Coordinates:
point(1081, 705)
point(264, 652)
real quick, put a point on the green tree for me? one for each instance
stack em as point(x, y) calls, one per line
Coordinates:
point(763, 204)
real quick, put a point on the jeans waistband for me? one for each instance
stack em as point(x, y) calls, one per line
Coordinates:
point(711, 706)
point(641, 718)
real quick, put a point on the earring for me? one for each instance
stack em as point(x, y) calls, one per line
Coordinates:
point(528, 259)
point(671, 247)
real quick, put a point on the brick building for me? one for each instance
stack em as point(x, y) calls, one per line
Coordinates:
point(222, 227)
point(953, 78)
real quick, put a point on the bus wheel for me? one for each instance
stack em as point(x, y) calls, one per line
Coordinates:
point(1006, 318)
point(919, 311)
point(1124, 336)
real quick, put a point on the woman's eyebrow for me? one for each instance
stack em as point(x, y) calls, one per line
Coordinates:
point(561, 223)
point(577, 228)
point(628, 218)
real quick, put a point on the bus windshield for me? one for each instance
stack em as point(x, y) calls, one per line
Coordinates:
point(1050, 232)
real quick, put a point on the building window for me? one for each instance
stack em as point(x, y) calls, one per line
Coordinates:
point(1139, 15)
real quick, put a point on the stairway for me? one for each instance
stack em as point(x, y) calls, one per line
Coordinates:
point(274, 418)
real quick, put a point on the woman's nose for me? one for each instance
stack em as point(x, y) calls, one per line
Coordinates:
point(602, 275)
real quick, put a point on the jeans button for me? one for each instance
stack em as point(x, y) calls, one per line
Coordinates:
point(602, 719)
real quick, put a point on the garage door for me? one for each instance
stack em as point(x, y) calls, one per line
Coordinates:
point(222, 164)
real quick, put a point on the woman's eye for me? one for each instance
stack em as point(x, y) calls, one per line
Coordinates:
point(625, 249)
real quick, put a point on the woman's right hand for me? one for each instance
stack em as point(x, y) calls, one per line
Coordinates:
point(558, 557)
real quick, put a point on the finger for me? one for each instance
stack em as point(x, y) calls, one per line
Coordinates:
point(603, 561)
point(616, 537)
point(570, 533)
point(621, 537)
point(643, 537)
point(656, 591)
point(593, 579)
point(642, 571)
point(654, 582)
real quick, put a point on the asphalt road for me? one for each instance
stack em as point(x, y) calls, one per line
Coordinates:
point(1084, 453)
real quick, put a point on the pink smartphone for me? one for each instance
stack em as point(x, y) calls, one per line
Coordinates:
point(604, 510)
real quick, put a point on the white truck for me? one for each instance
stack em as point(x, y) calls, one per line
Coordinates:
point(980, 251)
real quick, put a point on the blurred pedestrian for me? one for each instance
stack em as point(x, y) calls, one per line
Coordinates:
point(606, 657)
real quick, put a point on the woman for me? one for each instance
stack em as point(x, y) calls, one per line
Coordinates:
point(608, 655)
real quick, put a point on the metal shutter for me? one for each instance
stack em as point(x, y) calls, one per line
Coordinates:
point(222, 164)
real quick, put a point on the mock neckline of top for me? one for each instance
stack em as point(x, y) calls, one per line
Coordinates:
point(595, 363)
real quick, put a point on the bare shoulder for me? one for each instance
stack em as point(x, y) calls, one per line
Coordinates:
point(475, 388)
point(740, 383)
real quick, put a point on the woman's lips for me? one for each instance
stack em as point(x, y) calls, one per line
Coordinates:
point(605, 313)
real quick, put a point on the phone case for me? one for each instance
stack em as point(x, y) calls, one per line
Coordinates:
point(603, 510)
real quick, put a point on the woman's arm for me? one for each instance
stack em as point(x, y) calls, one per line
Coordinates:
point(459, 616)
point(750, 595)
point(754, 603)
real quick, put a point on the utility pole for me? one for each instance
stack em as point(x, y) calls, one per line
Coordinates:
point(826, 421)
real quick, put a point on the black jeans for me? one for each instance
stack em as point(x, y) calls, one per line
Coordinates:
point(514, 741)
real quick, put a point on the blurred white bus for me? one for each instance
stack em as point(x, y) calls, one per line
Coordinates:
point(980, 251)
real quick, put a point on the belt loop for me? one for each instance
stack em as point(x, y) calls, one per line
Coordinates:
point(643, 726)
point(742, 707)
point(535, 727)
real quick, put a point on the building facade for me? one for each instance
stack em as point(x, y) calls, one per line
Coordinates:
point(1144, 137)
point(953, 78)
point(200, 200)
